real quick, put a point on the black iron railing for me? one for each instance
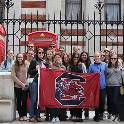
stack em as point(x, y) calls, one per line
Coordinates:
point(89, 35)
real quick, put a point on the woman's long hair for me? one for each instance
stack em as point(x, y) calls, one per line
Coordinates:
point(87, 62)
point(17, 65)
point(37, 50)
point(110, 63)
point(72, 59)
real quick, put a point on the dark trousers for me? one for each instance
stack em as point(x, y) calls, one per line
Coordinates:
point(21, 101)
point(55, 112)
point(100, 110)
point(58, 112)
point(76, 112)
point(86, 112)
point(113, 94)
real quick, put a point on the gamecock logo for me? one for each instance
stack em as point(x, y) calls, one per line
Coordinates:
point(69, 89)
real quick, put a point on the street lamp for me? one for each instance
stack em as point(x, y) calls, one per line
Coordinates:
point(99, 5)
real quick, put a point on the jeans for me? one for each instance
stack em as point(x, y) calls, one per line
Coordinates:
point(33, 90)
point(21, 101)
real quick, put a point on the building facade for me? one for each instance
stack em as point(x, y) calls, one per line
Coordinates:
point(91, 25)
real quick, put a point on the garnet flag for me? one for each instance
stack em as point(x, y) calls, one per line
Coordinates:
point(58, 89)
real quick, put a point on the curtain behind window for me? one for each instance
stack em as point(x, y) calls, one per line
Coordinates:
point(73, 8)
point(112, 10)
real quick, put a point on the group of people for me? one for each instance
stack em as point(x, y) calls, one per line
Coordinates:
point(26, 65)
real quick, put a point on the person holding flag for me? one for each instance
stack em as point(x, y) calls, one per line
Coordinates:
point(37, 62)
point(99, 67)
point(57, 65)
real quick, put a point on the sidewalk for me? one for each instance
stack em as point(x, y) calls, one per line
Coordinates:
point(105, 121)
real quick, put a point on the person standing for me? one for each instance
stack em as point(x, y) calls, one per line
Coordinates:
point(85, 59)
point(30, 55)
point(114, 81)
point(48, 64)
point(66, 60)
point(6, 65)
point(76, 113)
point(99, 67)
point(19, 76)
point(30, 47)
point(37, 62)
point(56, 113)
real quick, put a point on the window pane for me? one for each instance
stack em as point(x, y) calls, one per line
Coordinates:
point(112, 1)
point(73, 1)
point(73, 8)
point(112, 12)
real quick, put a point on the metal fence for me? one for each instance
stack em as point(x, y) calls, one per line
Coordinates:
point(89, 35)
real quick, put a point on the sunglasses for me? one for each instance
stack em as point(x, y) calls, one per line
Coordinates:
point(52, 46)
point(30, 54)
point(30, 46)
point(103, 55)
point(76, 58)
point(40, 52)
point(113, 58)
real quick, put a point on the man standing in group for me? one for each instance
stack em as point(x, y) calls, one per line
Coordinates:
point(99, 67)
point(30, 47)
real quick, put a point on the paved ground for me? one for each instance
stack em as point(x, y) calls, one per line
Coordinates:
point(90, 121)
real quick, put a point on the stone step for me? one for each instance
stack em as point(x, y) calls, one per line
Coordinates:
point(7, 110)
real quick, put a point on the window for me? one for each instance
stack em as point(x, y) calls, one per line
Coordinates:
point(113, 10)
point(72, 9)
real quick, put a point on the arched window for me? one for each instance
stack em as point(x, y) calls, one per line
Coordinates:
point(72, 9)
point(113, 10)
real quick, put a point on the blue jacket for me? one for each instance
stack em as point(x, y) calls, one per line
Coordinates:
point(101, 69)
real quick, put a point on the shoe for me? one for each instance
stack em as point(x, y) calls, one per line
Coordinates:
point(87, 118)
point(33, 120)
point(21, 119)
point(101, 117)
point(57, 119)
point(25, 118)
point(109, 116)
point(47, 119)
point(39, 119)
point(97, 119)
point(78, 120)
point(116, 119)
point(112, 117)
point(73, 118)
point(53, 120)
